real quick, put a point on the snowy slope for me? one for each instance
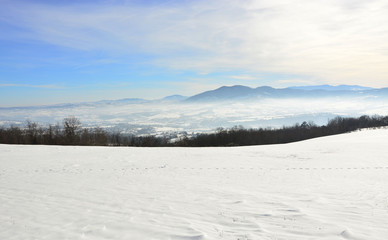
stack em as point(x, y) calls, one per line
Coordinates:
point(327, 188)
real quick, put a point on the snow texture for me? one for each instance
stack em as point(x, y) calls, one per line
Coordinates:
point(327, 188)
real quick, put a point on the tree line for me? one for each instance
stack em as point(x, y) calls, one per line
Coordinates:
point(239, 136)
point(71, 132)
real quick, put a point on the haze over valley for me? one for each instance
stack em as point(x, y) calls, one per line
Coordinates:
point(222, 107)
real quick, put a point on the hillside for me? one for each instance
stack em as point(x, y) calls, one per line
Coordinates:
point(326, 188)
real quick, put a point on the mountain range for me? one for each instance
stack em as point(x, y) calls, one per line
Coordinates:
point(244, 93)
point(239, 92)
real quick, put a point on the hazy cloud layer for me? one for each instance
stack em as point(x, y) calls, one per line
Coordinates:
point(334, 41)
point(161, 116)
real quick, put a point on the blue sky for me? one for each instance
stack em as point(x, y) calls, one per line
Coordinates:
point(73, 51)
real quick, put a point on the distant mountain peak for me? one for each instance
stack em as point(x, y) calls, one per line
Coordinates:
point(233, 87)
point(223, 93)
point(175, 97)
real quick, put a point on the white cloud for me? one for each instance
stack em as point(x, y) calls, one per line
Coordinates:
point(335, 41)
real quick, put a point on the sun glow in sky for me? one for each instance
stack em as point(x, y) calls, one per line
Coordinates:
point(70, 51)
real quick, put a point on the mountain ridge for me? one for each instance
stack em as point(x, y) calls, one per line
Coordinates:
point(243, 92)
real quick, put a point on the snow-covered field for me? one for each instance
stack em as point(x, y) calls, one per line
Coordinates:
point(327, 188)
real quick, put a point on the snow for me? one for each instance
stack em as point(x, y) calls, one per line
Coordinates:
point(333, 187)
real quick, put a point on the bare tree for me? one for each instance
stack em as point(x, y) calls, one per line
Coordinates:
point(32, 132)
point(100, 137)
point(72, 126)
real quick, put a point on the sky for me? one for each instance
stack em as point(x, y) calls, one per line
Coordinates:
point(76, 51)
